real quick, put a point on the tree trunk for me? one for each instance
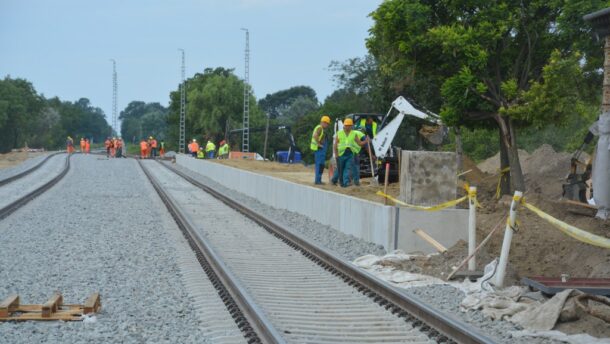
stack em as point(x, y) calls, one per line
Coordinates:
point(459, 151)
point(508, 146)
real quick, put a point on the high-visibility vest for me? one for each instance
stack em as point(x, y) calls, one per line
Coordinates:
point(153, 143)
point(362, 125)
point(224, 149)
point(347, 141)
point(210, 146)
point(314, 144)
point(360, 136)
point(200, 154)
point(194, 147)
point(143, 145)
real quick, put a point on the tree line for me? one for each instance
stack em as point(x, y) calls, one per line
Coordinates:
point(28, 118)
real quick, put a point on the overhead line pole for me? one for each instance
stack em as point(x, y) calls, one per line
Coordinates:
point(245, 142)
point(181, 141)
point(114, 98)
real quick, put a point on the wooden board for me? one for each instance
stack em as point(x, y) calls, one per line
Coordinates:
point(53, 309)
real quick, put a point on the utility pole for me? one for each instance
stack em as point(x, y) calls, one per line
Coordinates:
point(114, 97)
point(245, 139)
point(181, 141)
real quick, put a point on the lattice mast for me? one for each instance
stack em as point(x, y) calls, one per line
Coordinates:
point(181, 141)
point(245, 142)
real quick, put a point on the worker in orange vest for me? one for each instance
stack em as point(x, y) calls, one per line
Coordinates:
point(143, 149)
point(119, 147)
point(113, 147)
point(153, 147)
point(69, 145)
point(194, 148)
point(107, 145)
point(82, 144)
point(162, 148)
point(87, 146)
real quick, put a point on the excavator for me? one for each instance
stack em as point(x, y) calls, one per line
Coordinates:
point(383, 151)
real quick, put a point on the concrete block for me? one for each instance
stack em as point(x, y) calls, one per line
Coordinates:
point(428, 178)
point(446, 226)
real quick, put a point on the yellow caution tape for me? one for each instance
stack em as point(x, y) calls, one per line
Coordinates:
point(472, 194)
point(420, 207)
point(502, 173)
point(570, 230)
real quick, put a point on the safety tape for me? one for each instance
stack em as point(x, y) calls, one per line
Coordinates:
point(424, 208)
point(502, 173)
point(472, 194)
point(568, 229)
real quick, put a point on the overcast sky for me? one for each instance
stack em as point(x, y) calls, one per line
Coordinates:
point(63, 46)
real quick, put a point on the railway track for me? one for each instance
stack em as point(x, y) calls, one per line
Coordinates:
point(28, 171)
point(281, 288)
point(21, 201)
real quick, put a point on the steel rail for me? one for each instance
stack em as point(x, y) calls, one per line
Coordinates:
point(382, 292)
point(249, 317)
point(9, 209)
point(28, 171)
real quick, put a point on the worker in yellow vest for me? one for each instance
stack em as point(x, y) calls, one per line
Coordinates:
point(210, 149)
point(356, 165)
point(318, 146)
point(223, 150)
point(347, 144)
point(368, 126)
point(201, 153)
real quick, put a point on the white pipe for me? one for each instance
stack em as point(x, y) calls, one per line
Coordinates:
point(508, 237)
point(472, 226)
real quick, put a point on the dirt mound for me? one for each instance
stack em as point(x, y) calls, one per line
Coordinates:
point(492, 165)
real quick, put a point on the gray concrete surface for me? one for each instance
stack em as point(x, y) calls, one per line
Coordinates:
point(428, 178)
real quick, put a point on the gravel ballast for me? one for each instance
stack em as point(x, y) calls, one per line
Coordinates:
point(445, 298)
point(25, 165)
point(101, 228)
point(346, 246)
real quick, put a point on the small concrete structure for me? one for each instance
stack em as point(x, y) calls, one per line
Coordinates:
point(388, 226)
point(428, 178)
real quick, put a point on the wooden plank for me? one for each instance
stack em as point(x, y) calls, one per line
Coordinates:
point(8, 305)
point(92, 304)
point(52, 305)
point(437, 245)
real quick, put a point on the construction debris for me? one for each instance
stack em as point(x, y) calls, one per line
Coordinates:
point(53, 309)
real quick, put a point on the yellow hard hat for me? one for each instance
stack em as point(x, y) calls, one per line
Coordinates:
point(150, 137)
point(348, 121)
point(325, 119)
point(194, 140)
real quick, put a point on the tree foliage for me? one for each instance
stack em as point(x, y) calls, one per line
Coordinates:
point(507, 64)
point(28, 118)
point(141, 120)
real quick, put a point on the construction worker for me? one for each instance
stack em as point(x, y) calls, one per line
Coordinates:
point(368, 126)
point(347, 144)
point(223, 150)
point(107, 145)
point(210, 149)
point(87, 146)
point(194, 148)
point(70, 145)
point(201, 153)
point(318, 146)
point(143, 149)
point(153, 147)
point(82, 144)
point(356, 165)
point(118, 145)
point(113, 147)
point(162, 148)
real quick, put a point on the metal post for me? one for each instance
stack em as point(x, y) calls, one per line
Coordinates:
point(182, 138)
point(472, 226)
point(508, 237)
point(245, 142)
point(114, 98)
point(266, 139)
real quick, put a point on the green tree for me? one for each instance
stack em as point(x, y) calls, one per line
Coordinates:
point(141, 120)
point(507, 64)
point(20, 109)
point(277, 104)
point(214, 106)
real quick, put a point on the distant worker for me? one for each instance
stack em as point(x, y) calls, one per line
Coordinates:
point(194, 148)
point(153, 147)
point(201, 153)
point(143, 149)
point(347, 144)
point(82, 144)
point(318, 146)
point(107, 145)
point(118, 146)
point(368, 126)
point(113, 147)
point(70, 145)
point(87, 146)
point(210, 149)
point(223, 150)
point(162, 148)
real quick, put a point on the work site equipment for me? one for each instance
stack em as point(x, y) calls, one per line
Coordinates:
point(53, 309)
point(434, 132)
point(576, 188)
point(292, 149)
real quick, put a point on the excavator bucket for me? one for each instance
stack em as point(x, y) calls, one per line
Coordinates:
point(433, 133)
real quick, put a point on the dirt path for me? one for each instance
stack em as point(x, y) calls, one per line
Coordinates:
point(15, 158)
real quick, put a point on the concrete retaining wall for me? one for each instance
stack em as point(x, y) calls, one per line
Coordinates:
point(363, 219)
